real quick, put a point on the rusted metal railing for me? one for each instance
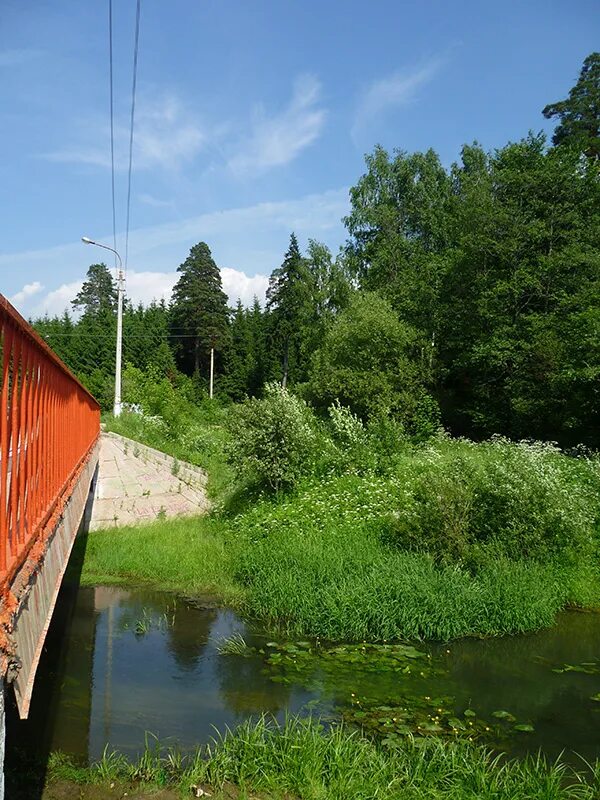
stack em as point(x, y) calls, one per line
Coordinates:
point(49, 424)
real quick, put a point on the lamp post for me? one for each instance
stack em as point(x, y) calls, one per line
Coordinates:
point(120, 293)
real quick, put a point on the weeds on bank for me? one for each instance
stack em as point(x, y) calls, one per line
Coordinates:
point(370, 536)
point(304, 760)
point(183, 555)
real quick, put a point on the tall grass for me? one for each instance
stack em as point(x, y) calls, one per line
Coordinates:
point(311, 570)
point(182, 555)
point(300, 759)
point(453, 539)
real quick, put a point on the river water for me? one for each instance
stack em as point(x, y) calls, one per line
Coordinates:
point(122, 662)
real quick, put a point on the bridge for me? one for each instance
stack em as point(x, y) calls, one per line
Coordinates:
point(49, 446)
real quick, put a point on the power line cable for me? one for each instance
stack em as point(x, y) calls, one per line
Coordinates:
point(133, 88)
point(112, 126)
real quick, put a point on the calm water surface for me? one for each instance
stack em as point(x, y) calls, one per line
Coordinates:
point(121, 662)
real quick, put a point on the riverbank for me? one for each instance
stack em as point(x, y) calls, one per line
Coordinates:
point(302, 760)
point(378, 538)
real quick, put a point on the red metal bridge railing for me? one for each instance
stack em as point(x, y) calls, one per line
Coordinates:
point(49, 424)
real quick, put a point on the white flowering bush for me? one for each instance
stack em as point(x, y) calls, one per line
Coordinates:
point(274, 440)
point(347, 427)
point(462, 501)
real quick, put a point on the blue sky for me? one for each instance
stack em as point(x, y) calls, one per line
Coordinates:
point(253, 119)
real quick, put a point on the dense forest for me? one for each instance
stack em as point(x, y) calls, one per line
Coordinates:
point(467, 296)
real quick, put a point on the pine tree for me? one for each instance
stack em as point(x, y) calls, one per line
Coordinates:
point(199, 313)
point(288, 304)
point(98, 293)
point(579, 114)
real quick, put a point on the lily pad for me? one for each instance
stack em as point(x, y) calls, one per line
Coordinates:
point(469, 713)
point(524, 728)
point(506, 715)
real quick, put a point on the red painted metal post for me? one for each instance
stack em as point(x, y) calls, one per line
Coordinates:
point(49, 424)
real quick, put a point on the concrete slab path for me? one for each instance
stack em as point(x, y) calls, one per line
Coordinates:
point(136, 484)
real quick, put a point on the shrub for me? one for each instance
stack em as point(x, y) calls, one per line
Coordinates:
point(463, 502)
point(274, 440)
point(364, 361)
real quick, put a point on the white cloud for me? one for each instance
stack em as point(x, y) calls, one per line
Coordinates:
point(276, 140)
point(26, 292)
point(144, 287)
point(165, 135)
point(168, 135)
point(55, 302)
point(252, 239)
point(238, 285)
point(396, 90)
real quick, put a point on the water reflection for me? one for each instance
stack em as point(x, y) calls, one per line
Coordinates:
point(121, 662)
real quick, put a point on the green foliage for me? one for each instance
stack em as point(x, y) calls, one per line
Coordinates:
point(289, 307)
point(274, 441)
point(249, 362)
point(364, 362)
point(199, 314)
point(98, 295)
point(301, 758)
point(494, 265)
point(464, 503)
point(320, 563)
point(579, 114)
point(382, 538)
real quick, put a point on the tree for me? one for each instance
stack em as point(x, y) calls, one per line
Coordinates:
point(400, 227)
point(199, 313)
point(98, 293)
point(365, 362)
point(288, 304)
point(579, 114)
point(520, 298)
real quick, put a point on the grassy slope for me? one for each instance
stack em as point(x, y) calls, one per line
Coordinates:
point(301, 760)
point(316, 561)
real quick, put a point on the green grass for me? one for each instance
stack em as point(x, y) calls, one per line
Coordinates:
point(454, 539)
point(187, 556)
point(318, 563)
point(302, 760)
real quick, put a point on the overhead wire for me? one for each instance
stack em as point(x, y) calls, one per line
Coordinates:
point(131, 129)
point(112, 127)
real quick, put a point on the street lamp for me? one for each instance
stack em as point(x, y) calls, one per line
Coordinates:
point(120, 292)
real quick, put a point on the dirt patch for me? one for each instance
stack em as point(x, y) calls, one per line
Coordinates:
point(66, 790)
point(69, 790)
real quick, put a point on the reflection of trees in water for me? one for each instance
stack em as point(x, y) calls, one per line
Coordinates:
point(188, 630)
point(245, 690)
point(515, 673)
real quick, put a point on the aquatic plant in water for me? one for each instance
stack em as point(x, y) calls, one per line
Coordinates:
point(405, 711)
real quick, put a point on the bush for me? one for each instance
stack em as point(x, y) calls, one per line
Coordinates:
point(364, 362)
point(464, 502)
point(274, 440)
point(315, 564)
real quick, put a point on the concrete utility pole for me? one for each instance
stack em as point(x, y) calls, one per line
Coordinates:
point(119, 354)
point(212, 371)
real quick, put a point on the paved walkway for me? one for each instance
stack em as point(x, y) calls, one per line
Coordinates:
point(136, 484)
